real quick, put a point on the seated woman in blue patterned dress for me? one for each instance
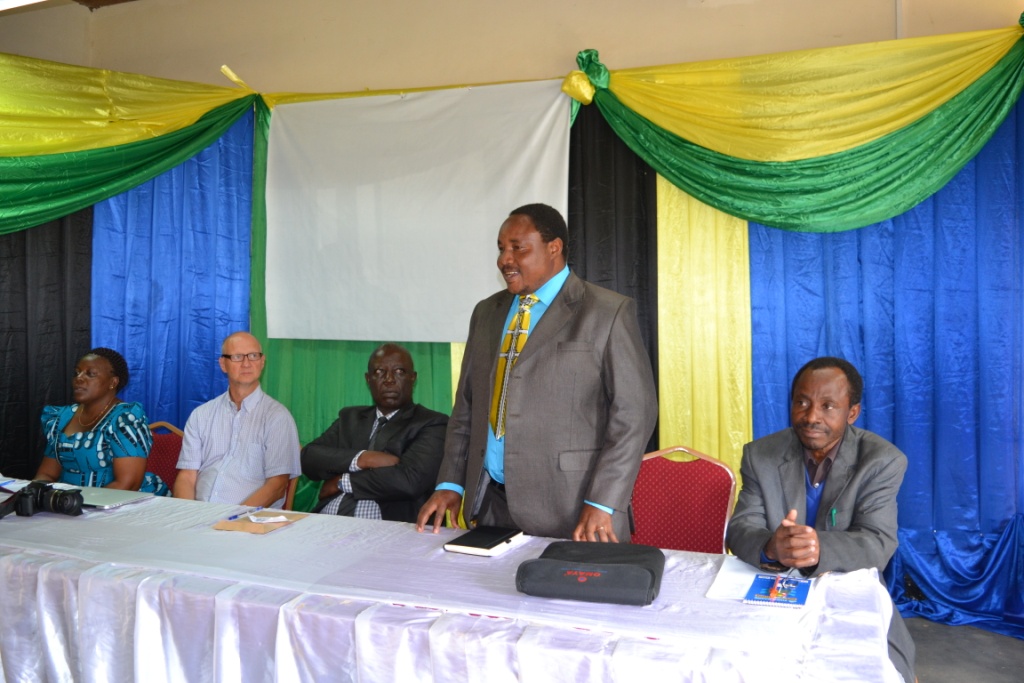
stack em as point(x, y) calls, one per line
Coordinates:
point(99, 440)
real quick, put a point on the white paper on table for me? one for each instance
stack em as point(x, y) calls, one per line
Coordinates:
point(267, 520)
point(733, 579)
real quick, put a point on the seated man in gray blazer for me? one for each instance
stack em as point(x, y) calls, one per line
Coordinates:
point(820, 496)
point(379, 461)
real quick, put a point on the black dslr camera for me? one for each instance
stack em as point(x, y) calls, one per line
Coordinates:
point(39, 496)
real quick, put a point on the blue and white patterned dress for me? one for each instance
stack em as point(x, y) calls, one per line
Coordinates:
point(87, 458)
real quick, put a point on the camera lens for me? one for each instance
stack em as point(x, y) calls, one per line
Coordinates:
point(63, 502)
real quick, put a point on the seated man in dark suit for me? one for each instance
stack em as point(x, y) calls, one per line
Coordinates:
point(379, 461)
point(820, 496)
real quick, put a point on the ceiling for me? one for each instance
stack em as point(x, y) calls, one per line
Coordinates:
point(96, 4)
point(91, 4)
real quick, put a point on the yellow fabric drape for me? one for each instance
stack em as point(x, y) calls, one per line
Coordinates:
point(799, 105)
point(458, 351)
point(275, 98)
point(704, 336)
point(774, 107)
point(50, 108)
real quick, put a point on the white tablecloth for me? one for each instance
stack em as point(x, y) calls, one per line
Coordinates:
point(150, 592)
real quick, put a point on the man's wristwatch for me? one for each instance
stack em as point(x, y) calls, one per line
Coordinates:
point(771, 565)
point(774, 566)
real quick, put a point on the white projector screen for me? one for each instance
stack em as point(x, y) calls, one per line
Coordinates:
point(383, 211)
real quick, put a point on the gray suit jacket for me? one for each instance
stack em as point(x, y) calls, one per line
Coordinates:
point(581, 407)
point(861, 488)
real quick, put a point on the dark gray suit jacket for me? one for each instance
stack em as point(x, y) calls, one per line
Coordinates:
point(581, 407)
point(415, 434)
point(861, 488)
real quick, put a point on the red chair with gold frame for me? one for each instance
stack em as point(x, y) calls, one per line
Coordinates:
point(163, 458)
point(683, 503)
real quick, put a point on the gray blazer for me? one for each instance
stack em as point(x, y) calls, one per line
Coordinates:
point(581, 405)
point(861, 488)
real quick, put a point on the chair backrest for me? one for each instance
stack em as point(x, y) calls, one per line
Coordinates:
point(163, 458)
point(683, 505)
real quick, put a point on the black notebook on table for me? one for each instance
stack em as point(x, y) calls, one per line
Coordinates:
point(487, 541)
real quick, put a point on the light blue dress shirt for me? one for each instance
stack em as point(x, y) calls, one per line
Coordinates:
point(494, 457)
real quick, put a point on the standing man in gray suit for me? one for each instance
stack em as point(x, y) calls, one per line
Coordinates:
point(823, 469)
point(555, 402)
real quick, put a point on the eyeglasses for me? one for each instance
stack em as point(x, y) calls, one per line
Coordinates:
point(239, 357)
point(380, 373)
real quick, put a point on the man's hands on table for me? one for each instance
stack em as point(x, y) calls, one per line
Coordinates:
point(794, 545)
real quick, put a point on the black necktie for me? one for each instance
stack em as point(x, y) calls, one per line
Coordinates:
point(381, 421)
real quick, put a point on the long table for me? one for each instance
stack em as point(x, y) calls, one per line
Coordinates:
point(151, 592)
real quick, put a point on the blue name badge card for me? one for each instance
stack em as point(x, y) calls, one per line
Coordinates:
point(778, 590)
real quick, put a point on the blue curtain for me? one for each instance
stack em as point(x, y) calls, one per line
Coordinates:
point(928, 306)
point(170, 275)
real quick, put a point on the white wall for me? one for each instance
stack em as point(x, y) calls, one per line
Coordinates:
point(346, 45)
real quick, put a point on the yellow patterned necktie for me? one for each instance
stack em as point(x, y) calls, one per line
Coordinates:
point(511, 346)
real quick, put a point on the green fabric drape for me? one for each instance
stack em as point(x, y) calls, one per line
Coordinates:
point(315, 379)
point(806, 103)
point(37, 189)
point(841, 191)
point(837, 191)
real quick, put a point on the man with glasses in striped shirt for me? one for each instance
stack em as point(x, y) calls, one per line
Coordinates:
point(241, 447)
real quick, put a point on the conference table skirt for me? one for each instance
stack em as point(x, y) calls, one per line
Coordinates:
point(150, 592)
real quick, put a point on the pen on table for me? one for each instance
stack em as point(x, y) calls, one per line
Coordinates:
point(243, 514)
